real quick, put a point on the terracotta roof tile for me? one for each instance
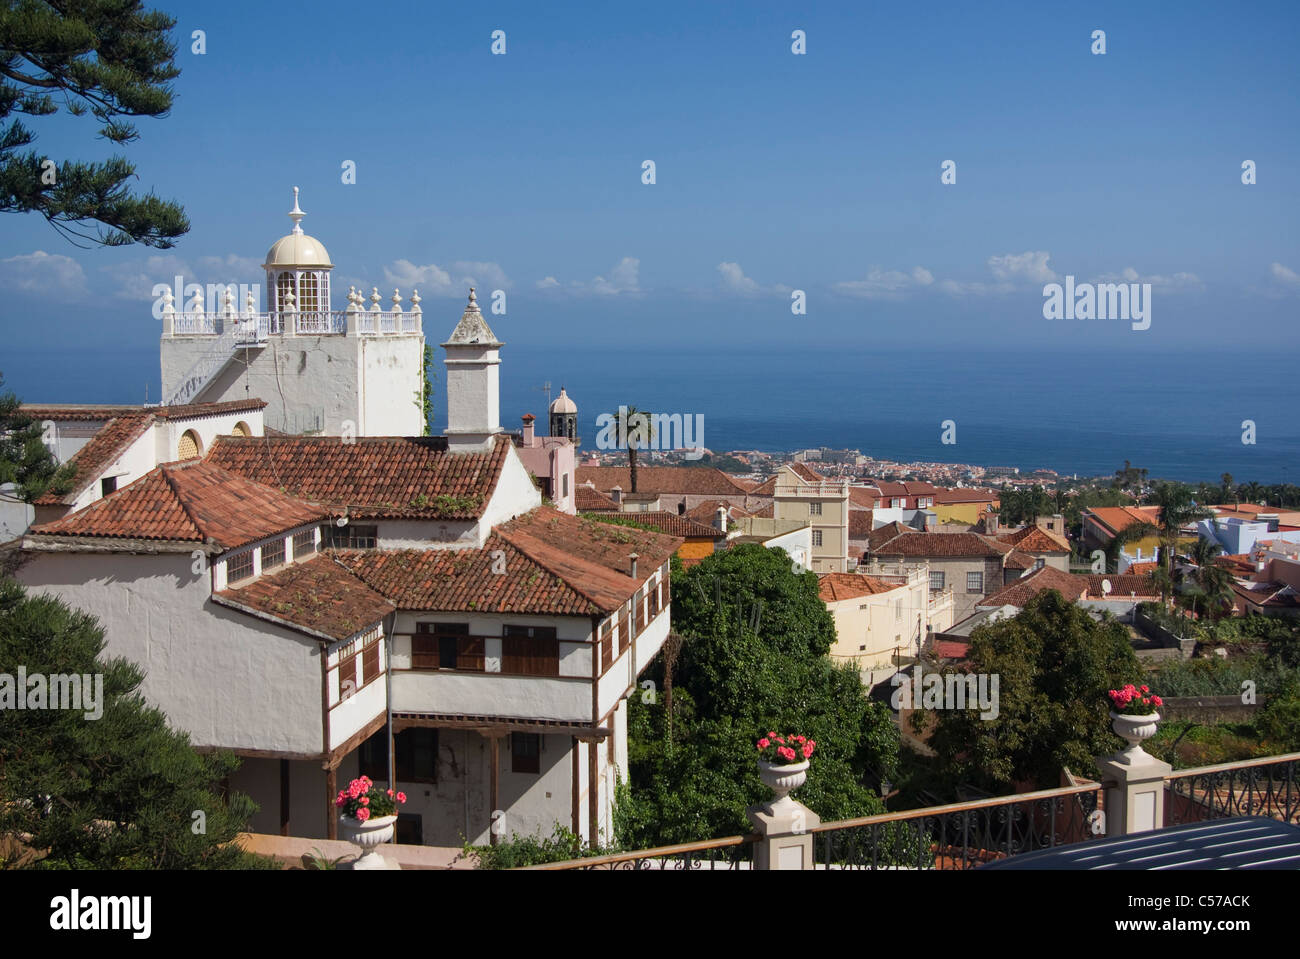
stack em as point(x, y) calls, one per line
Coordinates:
point(1020, 560)
point(388, 477)
point(833, 587)
point(1026, 588)
point(588, 499)
point(105, 447)
point(695, 480)
point(668, 523)
point(705, 512)
point(318, 597)
point(806, 472)
point(1118, 518)
point(913, 543)
point(1121, 585)
point(949, 649)
point(1035, 539)
point(946, 497)
point(863, 497)
point(860, 524)
point(554, 564)
point(72, 411)
point(765, 488)
point(192, 501)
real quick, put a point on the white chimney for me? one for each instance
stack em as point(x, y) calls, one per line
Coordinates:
point(528, 428)
point(616, 494)
point(633, 557)
point(720, 519)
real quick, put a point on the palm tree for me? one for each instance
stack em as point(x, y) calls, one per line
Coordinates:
point(1226, 488)
point(1177, 510)
point(1250, 491)
point(1130, 533)
point(1210, 585)
point(639, 431)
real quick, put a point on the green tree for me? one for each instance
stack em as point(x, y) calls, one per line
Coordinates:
point(1054, 664)
point(1130, 477)
point(752, 659)
point(115, 792)
point(1177, 509)
point(113, 59)
point(637, 427)
point(1226, 489)
point(25, 460)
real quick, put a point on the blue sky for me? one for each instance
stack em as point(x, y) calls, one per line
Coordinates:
point(774, 171)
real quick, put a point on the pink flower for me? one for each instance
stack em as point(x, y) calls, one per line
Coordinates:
point(363, 814)
point(365, 800)
point(764, 743)
point(1146, 689)
point(772, 735)
point(390, 792)
point(1157, 700)
point(401, 797)
point(786, 753)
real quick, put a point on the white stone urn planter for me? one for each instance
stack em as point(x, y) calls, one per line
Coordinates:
point(782, 779)
point(1134, 730)
point(367, 836)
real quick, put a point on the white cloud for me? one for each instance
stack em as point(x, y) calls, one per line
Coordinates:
point(135, 281)
point(455, 280)
point(1177, 283)
point(1285, 275)
point(623, 277)
point(887, 284)
point(52, 275)
point(734, 281)
point(1030, 267)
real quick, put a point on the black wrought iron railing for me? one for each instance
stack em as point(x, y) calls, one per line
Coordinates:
point(961, 835)
point(1269, 786)
point(733, 852)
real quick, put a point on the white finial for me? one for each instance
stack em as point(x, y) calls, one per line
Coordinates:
point(473, 303)
point(296, 214)
point(415, 302)
point(228, 303)
point(397, 301)
point(250, 305)
point(196, 305)
point(169, 302)
point(374, 300)
point(289, 305)
point(352, 299)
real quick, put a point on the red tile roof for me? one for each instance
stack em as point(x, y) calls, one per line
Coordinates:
point(695, 480)
point(705, 512)
point(72, 411)
point(587, 499)
point(107, 445)
point(765, 488)
point(1035, 539)
point(192, 501)
point(947, 497)
point(1118, 518)
point(877, 538)
point(371, 477)
point(1272, 595)
point(1121, 585)
point(949, 649)
point(833, 587)
point(863, 497)
point(554, 564)
point(317, 597)
point(940, 545)
point(671, 524)
point(860, 523)
point(807, 473)
point(1017, 559)
point(1021, 591)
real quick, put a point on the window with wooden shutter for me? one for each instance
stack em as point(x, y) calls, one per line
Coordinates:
point(470, 653)
point(370, 661)
point(525, 752)
point(606, 647)
point(653, 599)
point(530, 651)
point(640, 613)
point(622, 629)
point(347, 676)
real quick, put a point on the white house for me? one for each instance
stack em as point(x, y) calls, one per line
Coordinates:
point(300, 599)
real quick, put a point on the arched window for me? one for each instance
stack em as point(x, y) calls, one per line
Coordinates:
point(189, 446)
point(241, 429)
point(309, 293)
point(283, 285)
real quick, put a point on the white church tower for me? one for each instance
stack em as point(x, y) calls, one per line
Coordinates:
point(357, 372)
point(473, 382)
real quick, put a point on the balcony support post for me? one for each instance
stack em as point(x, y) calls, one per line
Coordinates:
point(1135, 794)
point(784, 837)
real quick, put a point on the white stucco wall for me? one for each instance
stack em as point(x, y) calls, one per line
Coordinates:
point(515, 495)
point(391, 373)
point(226, 678)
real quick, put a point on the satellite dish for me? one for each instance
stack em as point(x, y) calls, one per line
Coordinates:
point(1105, 586)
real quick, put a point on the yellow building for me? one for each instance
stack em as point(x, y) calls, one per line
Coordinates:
point(963, 505)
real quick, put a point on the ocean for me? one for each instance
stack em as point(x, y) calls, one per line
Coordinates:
point(1178, 416)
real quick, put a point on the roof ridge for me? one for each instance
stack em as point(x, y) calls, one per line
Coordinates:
point(546, 566)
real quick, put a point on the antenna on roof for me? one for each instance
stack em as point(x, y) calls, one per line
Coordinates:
point(546, 388)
